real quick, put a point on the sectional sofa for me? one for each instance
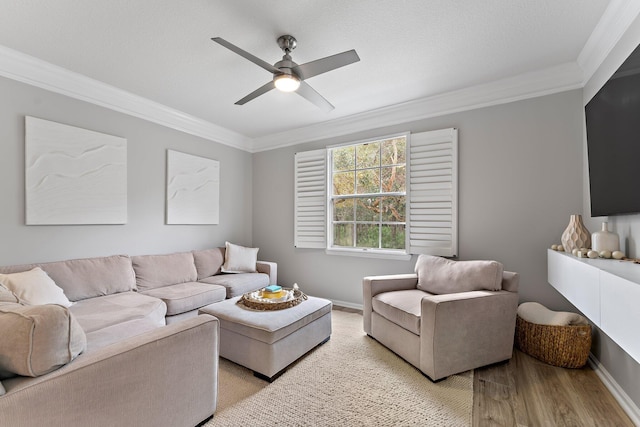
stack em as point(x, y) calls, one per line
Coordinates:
point(130, 348)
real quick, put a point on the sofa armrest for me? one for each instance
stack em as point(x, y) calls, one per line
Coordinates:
point(269, 268)
point(374, 285)
point(510, 281)
point(462, 331)
point(168, 376)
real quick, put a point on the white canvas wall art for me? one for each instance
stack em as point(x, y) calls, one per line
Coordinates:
point(193, 189)
point(74, 175)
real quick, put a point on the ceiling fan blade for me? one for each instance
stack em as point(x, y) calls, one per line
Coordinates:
point(246, 55)
point(256, 93)
point(311, 95)
point(319, 66)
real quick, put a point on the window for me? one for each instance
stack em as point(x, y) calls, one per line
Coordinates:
point(367, 202)
point(388, 197)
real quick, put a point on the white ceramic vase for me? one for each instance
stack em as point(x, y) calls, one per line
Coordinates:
point(605, 240)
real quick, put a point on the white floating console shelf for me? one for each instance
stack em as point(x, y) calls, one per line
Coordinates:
point(606, 291)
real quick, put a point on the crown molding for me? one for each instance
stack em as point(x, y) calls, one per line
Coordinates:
point(560, 78)
point(36, 72)
point(615, 21)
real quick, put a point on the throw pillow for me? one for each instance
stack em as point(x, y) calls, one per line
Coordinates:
point(34, 287)
point(438, 275)
point(238, 259)
point(6, 295)
point(37, 339)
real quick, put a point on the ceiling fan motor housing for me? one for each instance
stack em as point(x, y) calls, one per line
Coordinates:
point(285, 65)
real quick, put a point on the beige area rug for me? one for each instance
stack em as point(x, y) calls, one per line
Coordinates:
point(351, 380)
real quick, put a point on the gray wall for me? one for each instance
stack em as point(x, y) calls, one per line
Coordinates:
point(520, 177)
point(145, 230)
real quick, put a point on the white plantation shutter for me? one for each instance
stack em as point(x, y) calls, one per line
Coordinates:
point(310, 199)
point(433, 193)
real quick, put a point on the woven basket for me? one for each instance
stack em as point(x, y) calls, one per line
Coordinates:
point(564, 346)
point(247, 301)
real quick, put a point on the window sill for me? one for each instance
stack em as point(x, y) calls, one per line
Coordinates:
point(364, 253)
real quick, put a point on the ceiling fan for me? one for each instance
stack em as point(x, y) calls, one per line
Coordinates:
point(289, 76)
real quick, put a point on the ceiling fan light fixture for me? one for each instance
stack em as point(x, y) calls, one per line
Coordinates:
point(286, 82)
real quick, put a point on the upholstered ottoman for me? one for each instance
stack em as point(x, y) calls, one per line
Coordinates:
point(269, 341)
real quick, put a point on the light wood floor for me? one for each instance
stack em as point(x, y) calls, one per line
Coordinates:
point(525, 392)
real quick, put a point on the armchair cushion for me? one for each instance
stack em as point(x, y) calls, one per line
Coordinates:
point(400, 307)
point(438, 275)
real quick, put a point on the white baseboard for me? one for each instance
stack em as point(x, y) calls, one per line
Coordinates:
point(618, 393)
point(347, 304)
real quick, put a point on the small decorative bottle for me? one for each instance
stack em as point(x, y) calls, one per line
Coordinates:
point(605, 240)
point(576, 235)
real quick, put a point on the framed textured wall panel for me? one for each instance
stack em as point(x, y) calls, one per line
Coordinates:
point(73, 175)
point(433, 193)
point(193, 189)
point(310, 199)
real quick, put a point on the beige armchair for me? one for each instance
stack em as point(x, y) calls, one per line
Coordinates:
point(448, 317)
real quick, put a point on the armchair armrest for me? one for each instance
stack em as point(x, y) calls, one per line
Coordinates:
point(374, 285)
point(269, 268)
point(168, 376)
point(465, 330)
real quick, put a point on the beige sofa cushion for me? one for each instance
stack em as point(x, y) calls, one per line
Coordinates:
point(34, 287)
point(154, 271)
point(238, 284)
point(438, 275)
point(112, 318)
point(110, 310)
point(187, 296)
point(37, 339)
point(87, 278)
point(208, 262)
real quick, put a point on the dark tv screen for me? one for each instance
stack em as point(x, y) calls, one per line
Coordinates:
point(613, 142)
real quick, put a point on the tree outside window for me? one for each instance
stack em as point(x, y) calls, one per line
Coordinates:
point(368, 199)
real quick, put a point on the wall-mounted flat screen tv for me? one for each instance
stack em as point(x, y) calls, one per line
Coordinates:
point(613, 142)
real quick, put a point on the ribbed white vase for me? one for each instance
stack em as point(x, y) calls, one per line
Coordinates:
point(605, 240)
point(576, 235)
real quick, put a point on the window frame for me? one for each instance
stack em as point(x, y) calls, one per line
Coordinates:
point(388, 253)
point(431, 197)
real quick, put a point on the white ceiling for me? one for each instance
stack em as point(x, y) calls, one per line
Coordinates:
point(410, 50)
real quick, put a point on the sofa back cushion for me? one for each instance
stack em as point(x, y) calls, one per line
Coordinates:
point(155, 271)
point(88, 277)
point(208, 262)
point(439, 275)
point(37, 339)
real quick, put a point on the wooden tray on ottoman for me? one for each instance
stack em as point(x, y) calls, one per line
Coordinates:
point(254, 301)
